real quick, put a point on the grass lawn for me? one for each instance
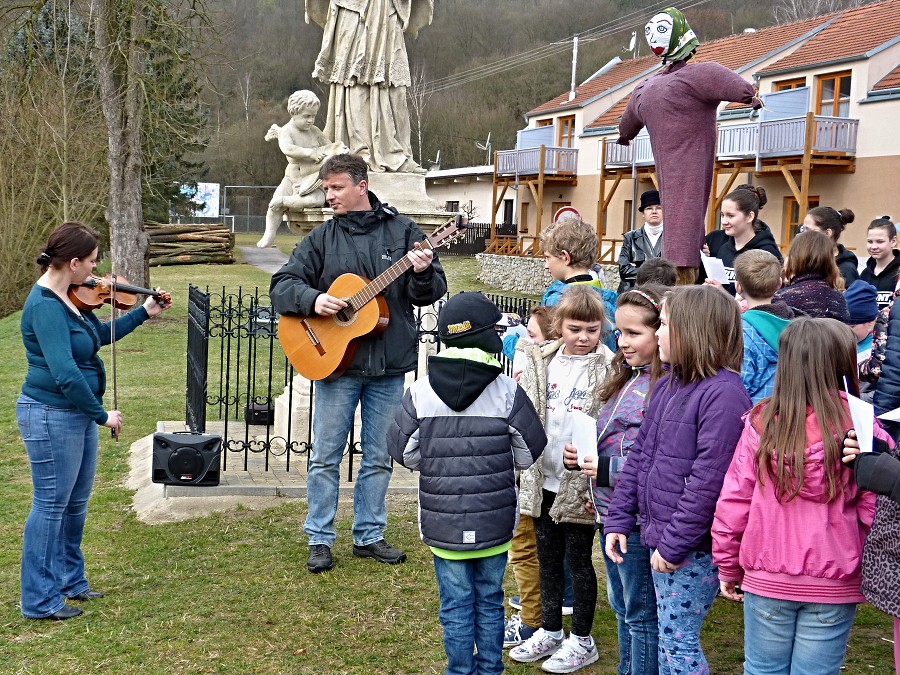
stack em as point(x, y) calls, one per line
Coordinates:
point(229, 593)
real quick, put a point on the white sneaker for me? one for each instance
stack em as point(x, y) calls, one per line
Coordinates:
point(571, 656)
point(535, 648)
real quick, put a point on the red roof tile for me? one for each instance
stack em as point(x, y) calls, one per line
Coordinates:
point(852, 33)
point(889, 81)
point(612, 116)
point(732, 52)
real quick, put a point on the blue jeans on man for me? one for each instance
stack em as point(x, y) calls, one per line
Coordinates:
point(629, 587)
point(796, 638)
point(471, 613)
point(62, 450)
point(334, 408)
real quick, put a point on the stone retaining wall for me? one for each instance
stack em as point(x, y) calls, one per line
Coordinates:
point(527, 275)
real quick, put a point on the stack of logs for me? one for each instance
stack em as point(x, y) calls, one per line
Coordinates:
point(189, 244)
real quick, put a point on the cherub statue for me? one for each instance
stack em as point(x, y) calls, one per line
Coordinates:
point(305, 147)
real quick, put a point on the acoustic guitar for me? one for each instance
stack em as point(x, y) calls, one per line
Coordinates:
point(322, 347)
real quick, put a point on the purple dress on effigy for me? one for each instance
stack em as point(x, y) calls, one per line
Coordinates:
point(678, 106)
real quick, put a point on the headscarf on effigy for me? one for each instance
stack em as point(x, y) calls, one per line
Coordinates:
point(670, 36)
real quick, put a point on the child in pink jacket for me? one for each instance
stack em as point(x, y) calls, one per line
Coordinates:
point(790, 522)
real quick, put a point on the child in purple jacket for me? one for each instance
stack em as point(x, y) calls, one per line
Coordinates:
point(677, 464)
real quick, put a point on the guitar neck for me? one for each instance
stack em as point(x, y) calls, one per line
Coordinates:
point(383, 280)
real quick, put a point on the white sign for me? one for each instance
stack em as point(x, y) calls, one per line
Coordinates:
point(208, 196)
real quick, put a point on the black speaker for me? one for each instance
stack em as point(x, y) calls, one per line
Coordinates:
point(186, 459)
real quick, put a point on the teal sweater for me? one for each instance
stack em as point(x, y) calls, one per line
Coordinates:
point(64, 369)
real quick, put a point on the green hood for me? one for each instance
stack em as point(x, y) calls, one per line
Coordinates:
point(767, 325)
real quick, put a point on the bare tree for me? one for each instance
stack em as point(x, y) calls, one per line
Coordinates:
point(795, 10)
point(418, 94)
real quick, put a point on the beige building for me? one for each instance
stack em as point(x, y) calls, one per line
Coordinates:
point(829, 133)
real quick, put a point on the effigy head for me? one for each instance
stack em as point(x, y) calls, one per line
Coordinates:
point(670, 36)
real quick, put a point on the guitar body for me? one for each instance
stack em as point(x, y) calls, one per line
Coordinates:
point(322, 347)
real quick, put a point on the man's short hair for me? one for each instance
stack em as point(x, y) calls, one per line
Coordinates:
point(575, 237)
point(353, 165)
point(758, 273)
point(656, 271)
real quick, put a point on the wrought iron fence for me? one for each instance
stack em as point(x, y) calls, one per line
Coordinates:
point(237, 375)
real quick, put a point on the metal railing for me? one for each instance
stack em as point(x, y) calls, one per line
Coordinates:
point(235, 363)
point(527, 161)
point(773, 138)
point(530, 246)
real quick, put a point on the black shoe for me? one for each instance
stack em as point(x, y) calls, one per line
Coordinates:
point(381, 551)
point(67, 612)
point(319, 559)
point(89, 594)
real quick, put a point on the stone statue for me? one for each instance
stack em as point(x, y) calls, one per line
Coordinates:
point(305, 147)
point(363, 59)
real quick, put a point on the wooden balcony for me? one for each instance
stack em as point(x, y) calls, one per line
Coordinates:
point(754, 140)
point(549, 161)
point(530, 246)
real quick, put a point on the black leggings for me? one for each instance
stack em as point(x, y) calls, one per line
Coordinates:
point(557, 542)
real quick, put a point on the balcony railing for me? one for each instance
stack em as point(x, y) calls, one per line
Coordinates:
point(775, 138)
point(556, 161)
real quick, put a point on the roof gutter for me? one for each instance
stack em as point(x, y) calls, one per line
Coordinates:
point(875, 95)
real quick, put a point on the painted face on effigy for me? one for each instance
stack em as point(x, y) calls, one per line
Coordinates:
point(658, 32)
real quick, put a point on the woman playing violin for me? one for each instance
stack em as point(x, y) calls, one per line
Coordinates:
point(58, 411)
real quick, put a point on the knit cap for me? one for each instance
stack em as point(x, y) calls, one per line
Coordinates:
point(469, 319)
point(862, 302)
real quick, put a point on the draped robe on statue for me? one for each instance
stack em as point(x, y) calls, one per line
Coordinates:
point(363, 59)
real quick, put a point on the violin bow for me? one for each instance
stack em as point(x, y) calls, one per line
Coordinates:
point(112, 337)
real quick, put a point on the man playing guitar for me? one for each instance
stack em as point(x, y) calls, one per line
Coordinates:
point(364, 237)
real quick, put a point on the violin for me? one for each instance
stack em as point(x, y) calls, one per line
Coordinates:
point(97, 291)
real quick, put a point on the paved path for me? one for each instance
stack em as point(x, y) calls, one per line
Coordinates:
point(252, 480)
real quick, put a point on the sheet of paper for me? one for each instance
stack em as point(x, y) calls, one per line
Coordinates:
point(863, 415)
point(715, 269)
point(584, 435)
point(892, 416)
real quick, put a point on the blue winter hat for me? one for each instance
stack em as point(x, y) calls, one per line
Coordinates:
point(862, 302)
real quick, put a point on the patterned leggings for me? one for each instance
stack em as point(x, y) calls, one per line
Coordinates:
point(682, 600)
point(556, 543)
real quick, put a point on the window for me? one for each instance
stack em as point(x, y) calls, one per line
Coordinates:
point(523, 218)
point(627, 216)
point(507, 211)
point(834, 95)
point(544, 123)
point(796, 83)
point(451, 207)
point(566, 134)
point(792, 218)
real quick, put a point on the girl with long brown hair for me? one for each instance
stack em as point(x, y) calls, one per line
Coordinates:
point(815, 283)
point(790, 521)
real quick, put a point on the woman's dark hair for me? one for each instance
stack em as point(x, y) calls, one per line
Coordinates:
point(69, 240)
point(749, 198)
point(828, 218)
point(885, 223)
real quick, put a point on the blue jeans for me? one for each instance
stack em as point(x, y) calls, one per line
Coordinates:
point(629, 587)
point(682, 600)
point(62, 450)
point(794, 638)
point(471, 613)
point(335, 406)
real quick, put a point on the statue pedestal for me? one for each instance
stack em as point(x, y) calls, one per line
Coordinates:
point(404, 191)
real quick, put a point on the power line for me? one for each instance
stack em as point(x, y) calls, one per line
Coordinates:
point(607, 29)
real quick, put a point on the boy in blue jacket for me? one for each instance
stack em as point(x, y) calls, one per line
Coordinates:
point(467, 428)
point(757, 276)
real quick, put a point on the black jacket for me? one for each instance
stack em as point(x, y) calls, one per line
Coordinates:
point(636, 249)
point(365, 243)
point(848, 264)
point(722, 246)
point(466, 428)
point(887, 390)
point(884, 282)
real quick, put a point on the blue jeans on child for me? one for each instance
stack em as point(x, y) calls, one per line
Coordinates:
point(794, 638)
point(334, 407)
point(471, 613)
point(682, 600)
point(62, 450)
point(629, 587)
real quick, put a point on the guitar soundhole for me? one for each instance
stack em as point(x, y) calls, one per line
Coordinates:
point(345, 316)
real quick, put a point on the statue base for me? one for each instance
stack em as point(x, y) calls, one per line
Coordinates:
point(404, 191)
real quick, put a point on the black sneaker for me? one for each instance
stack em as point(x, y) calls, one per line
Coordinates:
point(319, 559)
point(381, 551)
